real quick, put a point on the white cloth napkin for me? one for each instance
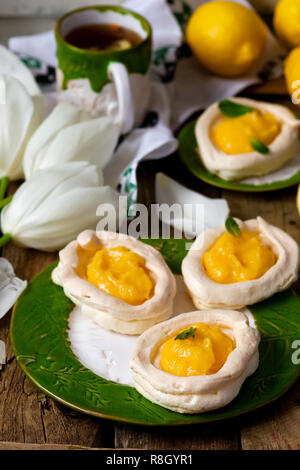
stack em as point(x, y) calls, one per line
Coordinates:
point(191, 89)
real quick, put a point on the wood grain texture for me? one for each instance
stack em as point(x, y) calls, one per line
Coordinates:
point(276, 426)
point(27, 415)
point(218, 436)
point(28, 446)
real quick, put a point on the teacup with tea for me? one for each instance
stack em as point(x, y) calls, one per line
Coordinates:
point(104, 57)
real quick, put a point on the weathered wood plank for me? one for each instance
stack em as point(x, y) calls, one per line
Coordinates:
point(276, 426)
point(27, 415)
point(24, 446)
point(224, 436)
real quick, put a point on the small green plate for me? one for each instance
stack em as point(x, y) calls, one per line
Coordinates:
point(39, 339)
point(188, 152)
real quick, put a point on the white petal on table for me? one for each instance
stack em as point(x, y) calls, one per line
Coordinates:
point(10, 286)
point(209, 212)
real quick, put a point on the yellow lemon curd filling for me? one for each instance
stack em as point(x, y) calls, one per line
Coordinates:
point(234, 259)
point(117, 271)
point(203, 352)
point(232, 135)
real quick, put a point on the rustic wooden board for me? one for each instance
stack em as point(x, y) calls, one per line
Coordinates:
point(20, 446)
point(223, 436)
point(26, 415)
point(274, 427)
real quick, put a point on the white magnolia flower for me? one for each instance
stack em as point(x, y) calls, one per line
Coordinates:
point(20, 115)
point(70, 134)
point(53, 206)
point(10, 286)
point(11, 65)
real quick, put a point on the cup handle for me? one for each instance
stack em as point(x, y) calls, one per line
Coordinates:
point(119, 75)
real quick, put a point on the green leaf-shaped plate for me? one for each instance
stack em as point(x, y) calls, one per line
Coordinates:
point(40, 342)
point(188, 151)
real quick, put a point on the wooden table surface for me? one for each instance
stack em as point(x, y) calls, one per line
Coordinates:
point(29, 419)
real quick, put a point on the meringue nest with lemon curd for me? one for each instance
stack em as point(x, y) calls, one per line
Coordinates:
point(119, 282)
point(240, 137)
point(226, 271)
point(196, 361)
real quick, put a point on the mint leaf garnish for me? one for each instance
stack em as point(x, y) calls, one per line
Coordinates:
point(258, 146)
point(187, 333)
point(232, 109)
point(232, 227)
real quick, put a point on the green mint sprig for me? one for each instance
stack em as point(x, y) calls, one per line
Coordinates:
point(187, 333)
point(232, 227)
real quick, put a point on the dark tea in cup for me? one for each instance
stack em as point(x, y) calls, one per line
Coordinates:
point(102, 37)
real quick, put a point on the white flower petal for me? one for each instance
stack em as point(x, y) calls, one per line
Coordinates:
point(54, 229)
point(10, 286)
point(11, 65)
point(56, 204)
point(45, 186)
point(213, 211)
point(93, 140)
point(69, 134)
point(62, 116)
point(19, 117)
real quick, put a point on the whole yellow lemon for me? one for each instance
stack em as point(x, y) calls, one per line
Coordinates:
point(287, 22)
point(292, 74)
point(226, 37)
point(298, 200)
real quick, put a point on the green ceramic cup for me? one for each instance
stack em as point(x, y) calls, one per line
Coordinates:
point(111, 83)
